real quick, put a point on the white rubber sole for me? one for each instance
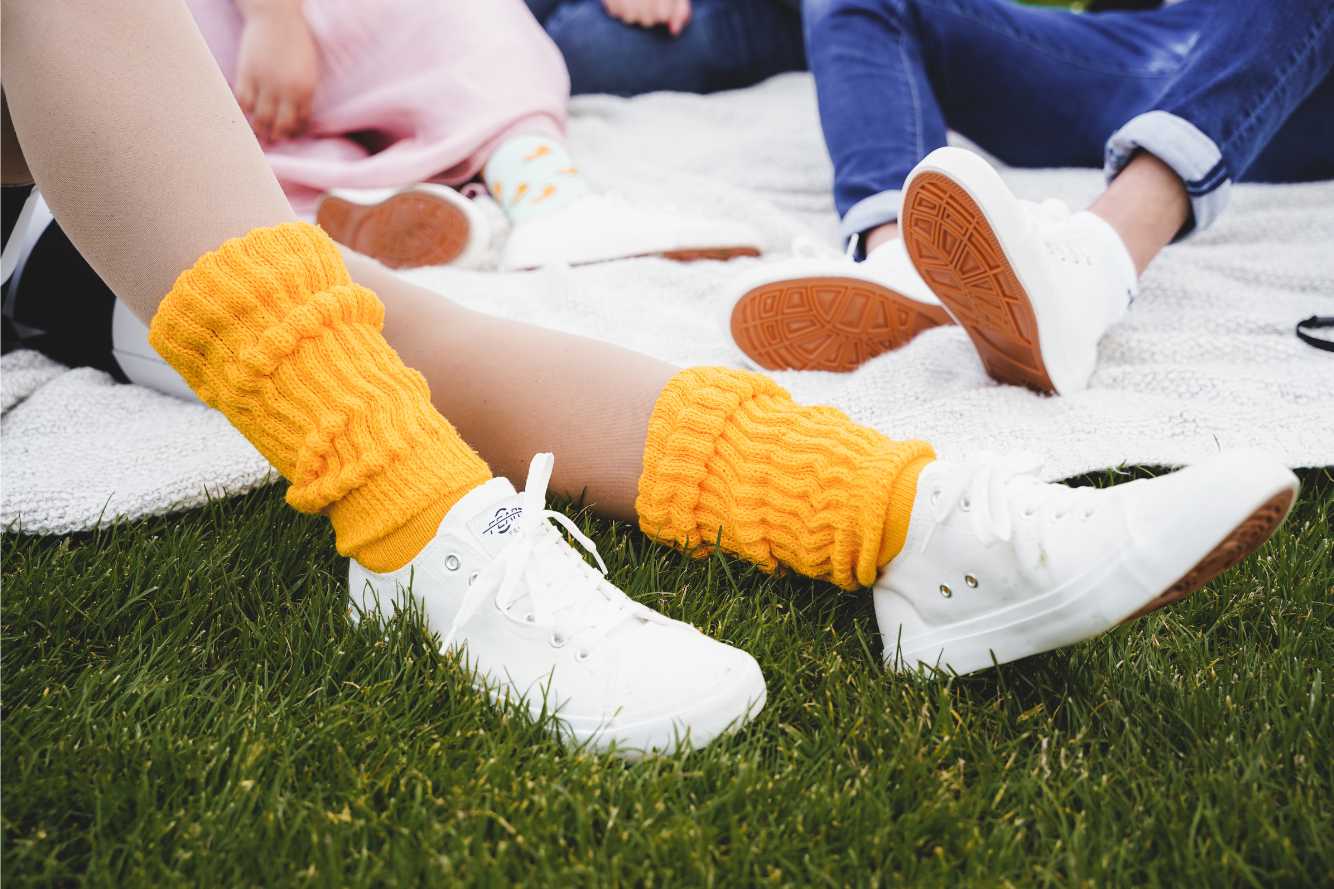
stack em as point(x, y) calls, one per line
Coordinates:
point(1205, 542)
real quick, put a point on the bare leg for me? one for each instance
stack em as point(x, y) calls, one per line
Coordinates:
point(147, 172)
point(513, 389)
point(880, 234)
point(1147, 205)
point(134, 138)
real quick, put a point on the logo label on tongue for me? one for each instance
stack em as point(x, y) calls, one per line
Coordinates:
point(498, 522)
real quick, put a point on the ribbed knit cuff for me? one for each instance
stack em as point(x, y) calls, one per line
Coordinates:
point(270, 330)
point(788, 484)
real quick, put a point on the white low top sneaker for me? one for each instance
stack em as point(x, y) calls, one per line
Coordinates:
point(539, 624)
point(1035, 286)
point(420, 225)
point(601, 227)
point(820, 310)
point(998, 565)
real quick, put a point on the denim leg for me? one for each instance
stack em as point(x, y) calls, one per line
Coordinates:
point(727, 44)
point(1035, 87)
point(1303, 148)
point(878, 112)
point(1247, 73)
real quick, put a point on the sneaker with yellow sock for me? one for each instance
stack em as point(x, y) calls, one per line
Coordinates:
point(557, 218)
point(998, 566)
point(539, 625)
point(972, 563)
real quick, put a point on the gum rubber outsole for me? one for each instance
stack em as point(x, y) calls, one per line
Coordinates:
point(1245, 539)
point(959, 256)
point(406, 230)
point(705, 253)
point(826, 323)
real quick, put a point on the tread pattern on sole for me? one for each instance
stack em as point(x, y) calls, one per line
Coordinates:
point(1245, 539)
point(826, 323)
point(406, 230)
point(959, 256)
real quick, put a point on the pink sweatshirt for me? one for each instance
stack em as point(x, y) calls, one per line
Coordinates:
point(431, 86)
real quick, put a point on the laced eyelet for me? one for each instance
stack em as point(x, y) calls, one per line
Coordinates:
point(970, 580)
point(582, 655)
point(946, 591)
point(452, 562)
point(557, 640)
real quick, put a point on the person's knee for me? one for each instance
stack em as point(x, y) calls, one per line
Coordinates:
point(821, 17)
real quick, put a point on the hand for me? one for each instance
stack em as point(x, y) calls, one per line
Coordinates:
point(675, 14)
point(277, 70)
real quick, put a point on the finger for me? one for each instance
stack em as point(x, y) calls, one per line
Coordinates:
point(245, 94)
point(680, 18)
point(261, 120)
point(284, 119)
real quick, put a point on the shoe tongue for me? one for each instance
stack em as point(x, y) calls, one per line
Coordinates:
point(491, 514)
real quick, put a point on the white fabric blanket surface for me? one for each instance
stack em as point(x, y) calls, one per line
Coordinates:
point(1206, 359)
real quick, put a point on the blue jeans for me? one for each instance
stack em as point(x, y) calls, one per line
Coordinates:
point(727, 44)
point(1220, 90)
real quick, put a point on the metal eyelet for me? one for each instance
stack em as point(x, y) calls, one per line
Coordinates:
point(452, 562)
point(946, 591)
point(970, 580)
point(557, 640)
point(582, 655)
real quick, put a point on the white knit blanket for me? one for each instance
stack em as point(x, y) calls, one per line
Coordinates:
point(1206, 359)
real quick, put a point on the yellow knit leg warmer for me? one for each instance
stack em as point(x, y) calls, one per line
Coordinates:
point(801, 486)
point(270, 330)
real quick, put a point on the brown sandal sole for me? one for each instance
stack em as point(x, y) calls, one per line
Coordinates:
point(957, 253)
point(1245, 539)
point(826, 323)
point(407, 230)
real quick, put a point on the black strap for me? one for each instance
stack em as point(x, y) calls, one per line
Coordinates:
point(1316, 322)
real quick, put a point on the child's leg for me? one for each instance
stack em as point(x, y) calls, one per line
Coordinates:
point(269, 329)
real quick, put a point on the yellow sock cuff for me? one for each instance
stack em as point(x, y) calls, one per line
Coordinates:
point(271, 330)
point(785, 483)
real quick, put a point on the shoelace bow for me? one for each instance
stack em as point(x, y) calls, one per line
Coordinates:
point(538, 562)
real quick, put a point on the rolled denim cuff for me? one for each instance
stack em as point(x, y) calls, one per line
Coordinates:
point(870, 212)
point(1189, 152)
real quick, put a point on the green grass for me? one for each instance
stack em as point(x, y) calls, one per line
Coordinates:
point(185, 702)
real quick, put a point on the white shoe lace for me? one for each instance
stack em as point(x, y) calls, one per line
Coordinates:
point(993, 490)
point(540, 564)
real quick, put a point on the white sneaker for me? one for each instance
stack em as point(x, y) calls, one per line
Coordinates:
point(423, 224)
point(821, 310)
point(539, 624)
point(998, 566)
point(600, 227)
point(1035, 286)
